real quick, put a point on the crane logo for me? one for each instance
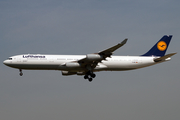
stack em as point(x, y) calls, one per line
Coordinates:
point(161, 45)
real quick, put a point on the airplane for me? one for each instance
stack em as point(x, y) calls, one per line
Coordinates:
point(88, 64)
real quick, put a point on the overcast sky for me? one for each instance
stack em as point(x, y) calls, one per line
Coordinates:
point(82, 27)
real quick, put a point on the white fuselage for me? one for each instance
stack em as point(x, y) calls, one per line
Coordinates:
point(57, 62)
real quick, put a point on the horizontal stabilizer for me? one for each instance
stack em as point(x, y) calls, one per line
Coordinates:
point(164, 57)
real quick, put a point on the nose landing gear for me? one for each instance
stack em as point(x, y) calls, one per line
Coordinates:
point(20, 70)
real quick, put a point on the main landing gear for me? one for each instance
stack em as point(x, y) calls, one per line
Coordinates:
point(20, 70)
point(89, 76)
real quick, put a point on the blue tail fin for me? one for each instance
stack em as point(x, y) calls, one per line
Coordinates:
point(159, 49)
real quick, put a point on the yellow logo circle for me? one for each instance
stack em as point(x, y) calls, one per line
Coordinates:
point(161, 45)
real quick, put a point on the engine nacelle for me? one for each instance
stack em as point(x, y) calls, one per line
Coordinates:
point(92, 57)
point(72, 65)
point(66, 73)
point(80, 73)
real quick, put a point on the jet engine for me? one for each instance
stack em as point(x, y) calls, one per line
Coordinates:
point(72, 65)
point(66, 73)
point(92, 57)
point(80, 73)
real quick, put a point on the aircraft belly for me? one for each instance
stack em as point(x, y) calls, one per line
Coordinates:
point(35, 66)
point(75, 69)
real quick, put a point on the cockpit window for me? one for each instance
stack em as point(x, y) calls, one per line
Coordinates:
point(9, 58)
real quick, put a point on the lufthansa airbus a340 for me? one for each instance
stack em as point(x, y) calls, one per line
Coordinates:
point(88, 64)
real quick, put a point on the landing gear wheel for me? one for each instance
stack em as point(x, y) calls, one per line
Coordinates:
point(90, 79)
point(20, 70)
point(86, 77)
point(89, 75)
point(93, 75)
point(21, 74)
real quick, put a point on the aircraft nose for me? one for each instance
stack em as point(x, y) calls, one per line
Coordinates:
point(5, 62)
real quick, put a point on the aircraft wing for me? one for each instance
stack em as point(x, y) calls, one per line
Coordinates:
point(94, 59)
point(108, 52)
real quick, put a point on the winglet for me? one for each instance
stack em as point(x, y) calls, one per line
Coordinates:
point(124, 41)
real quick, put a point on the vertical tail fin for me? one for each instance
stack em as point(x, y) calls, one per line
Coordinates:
point(159, 49)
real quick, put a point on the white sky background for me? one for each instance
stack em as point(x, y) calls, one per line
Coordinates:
point(82, 27)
